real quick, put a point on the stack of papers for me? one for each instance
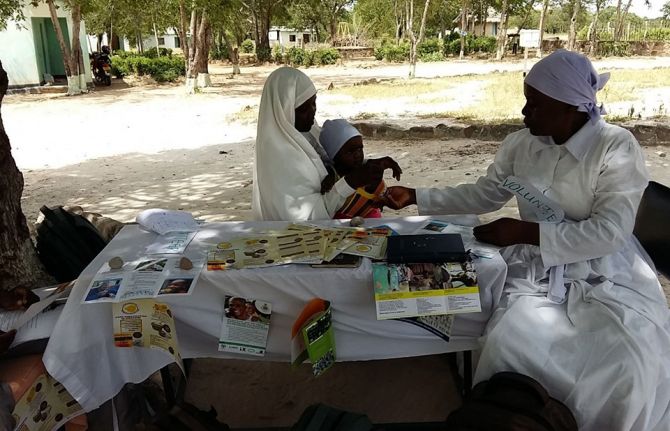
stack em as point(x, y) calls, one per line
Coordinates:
point(299, 243)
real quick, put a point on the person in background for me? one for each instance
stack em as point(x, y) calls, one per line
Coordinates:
point(582, 310)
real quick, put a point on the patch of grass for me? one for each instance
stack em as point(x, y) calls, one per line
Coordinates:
point(248, 114)
point(501, 93)
point(624, 84)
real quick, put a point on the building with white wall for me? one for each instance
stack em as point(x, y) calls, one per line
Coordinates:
point(290, 37)
point(30, 49)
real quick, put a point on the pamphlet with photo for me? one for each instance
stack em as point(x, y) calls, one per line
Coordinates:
point(245, 326)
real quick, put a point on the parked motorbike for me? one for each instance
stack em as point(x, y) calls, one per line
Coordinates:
point(101, 66)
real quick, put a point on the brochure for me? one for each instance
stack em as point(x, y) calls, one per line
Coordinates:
point(147, 277)
point(423, 289)
point(312, 337)
point(245, 326)
point(146, 323)
point(172, 242)
point(45, 406)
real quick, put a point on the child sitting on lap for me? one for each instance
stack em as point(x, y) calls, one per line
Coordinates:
point(344, 145)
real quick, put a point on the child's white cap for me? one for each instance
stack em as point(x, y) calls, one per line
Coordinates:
point(334, 134)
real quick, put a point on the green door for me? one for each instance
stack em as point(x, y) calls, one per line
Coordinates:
point(47, 48)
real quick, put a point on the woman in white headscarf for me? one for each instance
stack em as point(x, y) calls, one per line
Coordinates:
point(582, 310)
point(290, 163)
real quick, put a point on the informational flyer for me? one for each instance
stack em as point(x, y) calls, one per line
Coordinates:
point(368, 242)
point(146, 323)
point(147, 277)
point(171, 243)
point(245, 326)
point(46, 406)
point(424, 289)
point(312, 337)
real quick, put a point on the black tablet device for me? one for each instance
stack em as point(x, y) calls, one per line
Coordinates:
point(425, 248)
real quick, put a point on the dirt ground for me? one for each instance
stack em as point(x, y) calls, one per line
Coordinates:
point(123, 149)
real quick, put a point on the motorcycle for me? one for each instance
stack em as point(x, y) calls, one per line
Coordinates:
point(101, 66)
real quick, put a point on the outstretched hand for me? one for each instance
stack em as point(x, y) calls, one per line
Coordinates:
point(507, 231)
point(398, 197)
point(18, 298)
point(387, 163)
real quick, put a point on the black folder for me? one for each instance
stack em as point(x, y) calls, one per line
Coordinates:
point(425, 248)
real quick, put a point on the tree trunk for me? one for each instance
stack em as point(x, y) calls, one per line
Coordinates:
point(19, 264)
point(622, 20)
point(594, 31)
point(485, 17)
point(572, 34)
point(502, 36)
point(333, 28)
point(617, 20)
point(197, 75)
point(464, 11)
point(414, 41)
point(182, 31)
point(233, 53)
point(543, 14)
point(69, 60)
point(158, 50)
point(263, 51)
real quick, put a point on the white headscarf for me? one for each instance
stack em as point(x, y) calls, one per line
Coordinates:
point(288, 171)
point(570, 78)
point(336, 133)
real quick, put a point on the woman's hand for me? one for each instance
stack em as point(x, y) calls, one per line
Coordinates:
point(507, 231)
point(387, 163)
point(398, 197)
point(18, 298)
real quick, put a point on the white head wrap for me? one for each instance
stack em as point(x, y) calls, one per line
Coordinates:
point(287, 171)
point(570, 78)
point(336, 133)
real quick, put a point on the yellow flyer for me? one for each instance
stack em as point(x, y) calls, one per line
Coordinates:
point(45, 406)
point(146, 323)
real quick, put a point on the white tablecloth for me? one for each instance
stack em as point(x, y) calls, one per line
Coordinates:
point(81, 353)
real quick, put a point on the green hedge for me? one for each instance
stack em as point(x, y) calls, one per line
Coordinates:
point(247, 47)
point(302, 57)
point(162, 69)
point(485, 44)
point(614, 49)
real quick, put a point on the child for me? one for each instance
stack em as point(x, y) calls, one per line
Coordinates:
point(344, 145)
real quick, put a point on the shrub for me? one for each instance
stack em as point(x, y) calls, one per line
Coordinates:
point(616, 49)
point(432, 56)
point(295, 56)
point(277, 55)
point(219, 52)
point(429, 46)
point(379, 53)
point(396, 53)
point(483, 44)
point(162, 69)
point(247, 47)
point(326, 56)
point(658, 34)
point(453, 47)
point(151, 52)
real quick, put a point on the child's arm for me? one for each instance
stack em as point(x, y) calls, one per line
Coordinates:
point(387, 163)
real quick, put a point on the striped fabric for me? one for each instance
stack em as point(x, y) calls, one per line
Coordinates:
point(361, 203)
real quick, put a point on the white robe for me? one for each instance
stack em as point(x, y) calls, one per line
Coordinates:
point(605, 351)
point(288, 170)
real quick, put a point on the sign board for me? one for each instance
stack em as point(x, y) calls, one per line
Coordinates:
point(529, 38)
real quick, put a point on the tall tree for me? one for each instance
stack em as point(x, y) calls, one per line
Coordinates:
point(464, 26)
point(414, 41)
point(73, 54)
point(261, 12)
point(501, 45)
point(543, 14)
point(197, 73)
point(19, 265)
point(665, 10)
point(593, 27)
point(572, 34)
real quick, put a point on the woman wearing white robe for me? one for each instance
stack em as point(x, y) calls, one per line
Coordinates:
point(289, 165)
point(582, 310)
